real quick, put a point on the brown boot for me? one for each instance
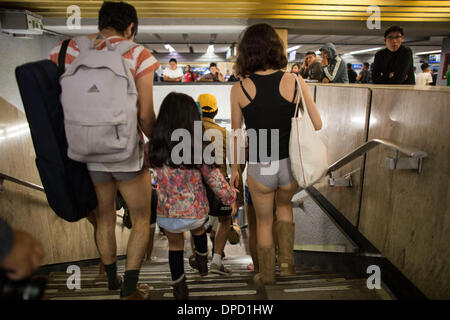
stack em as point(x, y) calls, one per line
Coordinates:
point(285, 233)
point(180, 289)
point(142, 293)
point(201, 262)
point(266, 258)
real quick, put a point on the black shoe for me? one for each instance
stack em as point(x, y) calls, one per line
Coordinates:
point(180, 289)
point(202, 263)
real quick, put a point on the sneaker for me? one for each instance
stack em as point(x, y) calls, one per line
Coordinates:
point(214, 268)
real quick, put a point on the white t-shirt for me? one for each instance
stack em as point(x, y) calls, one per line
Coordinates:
point(423, 79)
point(173, 73)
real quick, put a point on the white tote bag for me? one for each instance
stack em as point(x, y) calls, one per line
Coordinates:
point(307, 152)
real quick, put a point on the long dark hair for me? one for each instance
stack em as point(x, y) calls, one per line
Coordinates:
point(260, 48)
point(178, 111)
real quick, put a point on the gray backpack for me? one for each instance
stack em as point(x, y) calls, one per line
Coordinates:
point(99, 100)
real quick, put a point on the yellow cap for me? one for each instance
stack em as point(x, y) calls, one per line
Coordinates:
point(208, 102)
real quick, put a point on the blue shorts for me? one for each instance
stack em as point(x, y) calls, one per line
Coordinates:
point(247, 196)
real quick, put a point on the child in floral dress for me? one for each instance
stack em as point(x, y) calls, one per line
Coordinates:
point(182, 201)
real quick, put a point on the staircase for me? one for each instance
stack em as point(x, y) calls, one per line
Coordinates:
point(308, 284)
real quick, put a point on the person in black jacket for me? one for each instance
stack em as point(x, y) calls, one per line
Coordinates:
point(351, 73)
point(394, 64)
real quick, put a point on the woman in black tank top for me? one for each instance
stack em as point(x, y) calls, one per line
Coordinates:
point(262, 100)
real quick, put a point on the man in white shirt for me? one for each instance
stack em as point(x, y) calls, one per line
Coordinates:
point(424, 78)
point(173, 73)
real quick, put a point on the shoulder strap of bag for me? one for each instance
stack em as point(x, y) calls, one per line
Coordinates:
point(124, 46)
point(83, 43)
point(295, 91)
point(62, 56)
point(305, 109)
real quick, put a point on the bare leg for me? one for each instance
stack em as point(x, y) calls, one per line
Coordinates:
point(150, 244)
point(222, 235)
point(105, 231)
point(251, 220)
point(176, 241)
point(285, 228)
point(283, 202)
point(137, 195)
point(93, 220)
point(263, 199)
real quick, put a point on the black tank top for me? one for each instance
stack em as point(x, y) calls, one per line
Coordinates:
point(268, 110)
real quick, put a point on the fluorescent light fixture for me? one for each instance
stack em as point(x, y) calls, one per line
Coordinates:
point(293, 48)
point(365, 50)
point(428, 52)
point(170, 48)
point(317, 52)
point(160, 29)
point(210, 49)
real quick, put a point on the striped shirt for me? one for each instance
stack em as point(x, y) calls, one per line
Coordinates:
point(138, 59)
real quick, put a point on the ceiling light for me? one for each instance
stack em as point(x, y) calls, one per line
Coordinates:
point(428, 52)
point(293, 48)
point(170, 48)
point(210, 49)
point(365, 50)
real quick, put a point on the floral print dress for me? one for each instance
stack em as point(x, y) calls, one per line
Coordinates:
point(182, 201)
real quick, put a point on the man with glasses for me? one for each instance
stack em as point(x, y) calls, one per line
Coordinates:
point(394, 64)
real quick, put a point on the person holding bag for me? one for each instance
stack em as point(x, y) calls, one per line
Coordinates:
point(265, 99)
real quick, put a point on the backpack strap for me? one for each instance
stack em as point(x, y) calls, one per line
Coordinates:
point(83, 43)
point(62, 56)
point(295, 91)
point(123, 47)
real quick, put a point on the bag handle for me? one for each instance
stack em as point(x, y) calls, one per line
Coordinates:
point(305, 108)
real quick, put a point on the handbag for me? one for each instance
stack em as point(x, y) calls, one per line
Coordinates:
point(307, 152)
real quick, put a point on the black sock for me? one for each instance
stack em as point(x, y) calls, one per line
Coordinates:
point(176, 264)
point(213, 243)
point(201, 243)
point(111, 273)
point(130, 281)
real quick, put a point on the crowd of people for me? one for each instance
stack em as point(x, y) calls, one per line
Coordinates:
point(392, 65)
point(265, 98)
point(174, 73)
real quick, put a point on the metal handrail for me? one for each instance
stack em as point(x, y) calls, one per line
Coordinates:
point(410, 152)
point(21, 182)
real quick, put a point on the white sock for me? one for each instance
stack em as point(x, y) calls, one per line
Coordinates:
point(217, 259)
